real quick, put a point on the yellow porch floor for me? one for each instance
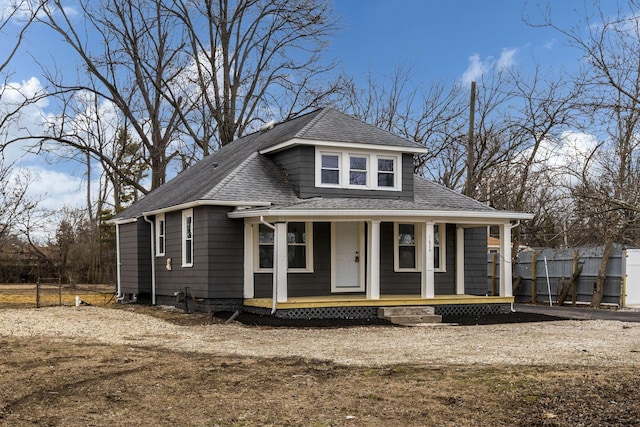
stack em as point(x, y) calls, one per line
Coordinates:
point(384, 301)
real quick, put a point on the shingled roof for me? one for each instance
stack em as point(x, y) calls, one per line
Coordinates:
point(238, 174)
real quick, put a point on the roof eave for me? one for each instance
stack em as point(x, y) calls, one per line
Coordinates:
point(497, 216)
point(121, 221)
point(196, 203)
point(337, 144)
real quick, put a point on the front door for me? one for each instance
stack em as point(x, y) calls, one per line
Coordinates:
point(347, 257)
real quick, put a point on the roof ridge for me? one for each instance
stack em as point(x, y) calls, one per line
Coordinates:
point(218, 187)
point(312, 122)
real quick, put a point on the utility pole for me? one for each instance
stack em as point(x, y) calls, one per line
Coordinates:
point(470, 143)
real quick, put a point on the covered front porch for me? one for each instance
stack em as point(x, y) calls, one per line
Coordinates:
point(304, 260)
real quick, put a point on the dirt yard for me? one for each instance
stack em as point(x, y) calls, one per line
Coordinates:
point(133, 365)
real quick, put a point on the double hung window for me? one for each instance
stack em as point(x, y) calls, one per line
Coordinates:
point(299, 256)
point(407, 247)
point(358, 170)
point(330, 169)
point(386, 172)
point(187, 238)
point(160, 234)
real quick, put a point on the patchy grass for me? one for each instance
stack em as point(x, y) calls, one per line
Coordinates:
point(25, 295)
point(60, 382)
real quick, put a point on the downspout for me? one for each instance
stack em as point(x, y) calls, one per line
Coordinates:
point(153, 259)
point(514, 225)
point(119, 295)
point(274, 297)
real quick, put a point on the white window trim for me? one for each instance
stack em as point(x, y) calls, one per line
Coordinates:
point(319, 182)
point(417, 229)
point(397, 161)
point(372, 169)
point(160, 249)
point(367, 171)
point(309, 250)
point(188, 213)
point(442, 231)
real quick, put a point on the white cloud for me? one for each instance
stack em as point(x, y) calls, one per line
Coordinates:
point(478, 67)
point(475, 70)
point(506, 59)
point(57, 189)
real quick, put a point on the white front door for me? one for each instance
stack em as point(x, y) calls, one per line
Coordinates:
point(347, 257)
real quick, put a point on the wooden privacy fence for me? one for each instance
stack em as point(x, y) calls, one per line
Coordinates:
point(562, 275)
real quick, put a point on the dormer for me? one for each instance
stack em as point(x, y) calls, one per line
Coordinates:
point(336, 155)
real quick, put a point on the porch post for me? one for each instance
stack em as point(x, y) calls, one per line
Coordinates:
point(505, 261)
point(281, 260)
point(373, 263)
point(248, 261)
point(428, 277)
point(460, 261)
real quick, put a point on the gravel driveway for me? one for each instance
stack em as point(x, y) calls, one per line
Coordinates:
point(588, 343)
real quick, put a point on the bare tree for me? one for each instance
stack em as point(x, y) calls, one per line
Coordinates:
point(187, 77)
point(542, 108)
point(23, 13)
point(257, 58)
point(434, 117)
point(606, 196)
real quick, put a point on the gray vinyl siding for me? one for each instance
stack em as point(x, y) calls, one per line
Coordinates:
point(225, 249)
point(409, 283)
point(317, 283)
point(298, 164)
point(391, 282)
point(218, 254)
point(135, 258)
point(475, 255)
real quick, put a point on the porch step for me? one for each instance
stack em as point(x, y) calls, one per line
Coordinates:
point(409, 316)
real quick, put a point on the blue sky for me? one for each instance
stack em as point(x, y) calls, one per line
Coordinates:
point(440, 40)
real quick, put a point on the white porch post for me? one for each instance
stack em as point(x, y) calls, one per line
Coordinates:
point(373, 263)
point(281, 260)
point(428, 277)
point(248, 261)
point(460, 261)
point(505, 261)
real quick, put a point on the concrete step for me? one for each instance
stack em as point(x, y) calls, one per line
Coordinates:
point(413, 319)
point(410, 315)
point(405, 310)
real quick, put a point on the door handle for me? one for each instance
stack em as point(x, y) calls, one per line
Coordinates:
point(357, 256)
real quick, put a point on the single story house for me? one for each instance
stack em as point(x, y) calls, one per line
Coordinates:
point(317, 216)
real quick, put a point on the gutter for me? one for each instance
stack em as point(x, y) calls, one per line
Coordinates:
point(153, 260)
point(119, 295)
point(274, 303)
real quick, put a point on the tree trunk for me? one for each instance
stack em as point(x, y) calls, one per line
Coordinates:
point(598, 291)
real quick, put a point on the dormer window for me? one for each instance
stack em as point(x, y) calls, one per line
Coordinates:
point(330, 169)
point(386, 172)
point(358, 169)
